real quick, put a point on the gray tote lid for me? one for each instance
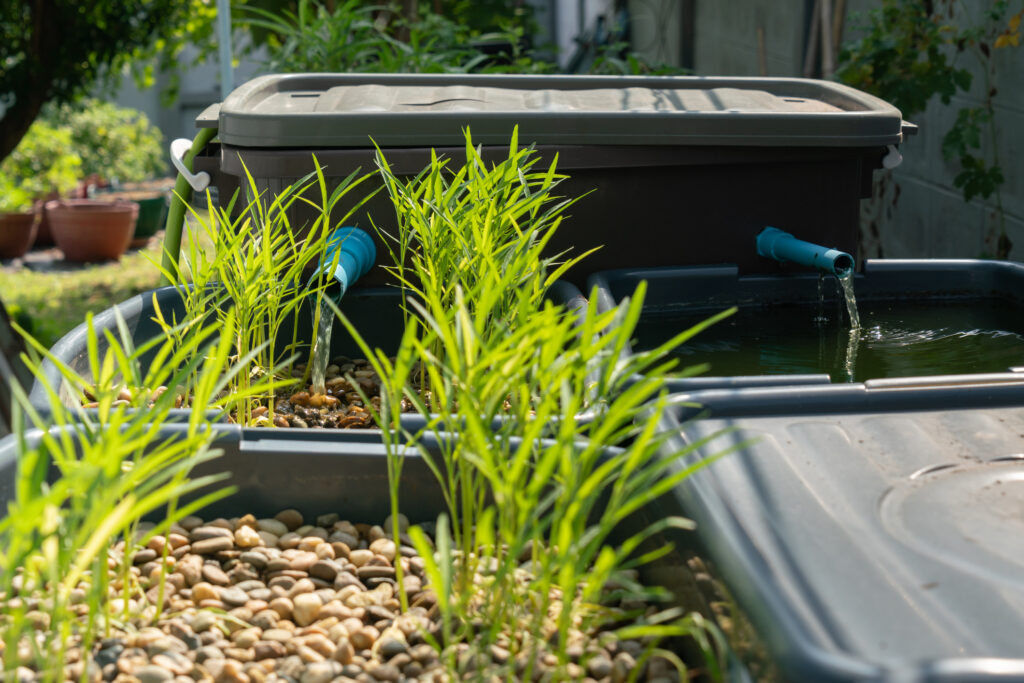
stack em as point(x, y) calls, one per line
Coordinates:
point(350, 110)
point(872, 531)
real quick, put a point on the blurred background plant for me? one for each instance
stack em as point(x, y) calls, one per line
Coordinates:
point(44, 162)
point(911, 52)
point(112, 142)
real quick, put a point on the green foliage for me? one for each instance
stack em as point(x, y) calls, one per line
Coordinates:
point(903, 58)
point(457, 229)
point(113, 142)
point(258, 275)
point(43, 162)
point(352, 38)
point(60, 537)
point(909, 54)
point(58, 50)
point(502, 366)
point(13, 197)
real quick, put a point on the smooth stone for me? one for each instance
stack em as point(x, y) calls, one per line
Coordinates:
point(204, 533)
point(247, 537)
point(375, 572)
point(175, 662)
point(324, 569)
point(622, 665)
point(258, 560)
point(303, 561)
point(234, 596)
point(215, 575)
point(268, 649)
point(191, 568)
point(203, 621)
point(283, 606)
point(306, 608)
point(386, 672)
point(272, 526)
point(364, 638)
point(360, 557)
point(204, 591)
point(321, 672)
point(213, 545)
point(384, 547)
point(301, 586)
point(152, 673)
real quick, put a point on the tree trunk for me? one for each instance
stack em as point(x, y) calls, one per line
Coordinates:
point(33, 91)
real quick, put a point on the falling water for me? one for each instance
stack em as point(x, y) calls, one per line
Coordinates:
point(846, 282)
point(853, 342)
point(322, 347)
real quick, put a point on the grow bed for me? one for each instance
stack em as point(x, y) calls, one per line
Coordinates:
point(870, 532)
point(375, 312)
point(903, 333)
point(275, 577)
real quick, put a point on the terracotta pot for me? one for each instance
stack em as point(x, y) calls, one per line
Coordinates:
point(17, 231)
point(89, 230)
point(43, 236)
point(152, 211)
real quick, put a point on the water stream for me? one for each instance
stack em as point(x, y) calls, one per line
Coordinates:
point(846, 283)
point(322, 348)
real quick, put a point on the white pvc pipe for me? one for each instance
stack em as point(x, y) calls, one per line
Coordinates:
point(227, 81)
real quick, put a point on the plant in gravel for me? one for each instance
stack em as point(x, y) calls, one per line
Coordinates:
point(259, 273)
point(480, 229)
point(84, 481)
point(517, 490)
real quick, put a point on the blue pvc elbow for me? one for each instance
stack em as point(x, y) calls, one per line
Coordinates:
point(355, 252)
point(781, 246)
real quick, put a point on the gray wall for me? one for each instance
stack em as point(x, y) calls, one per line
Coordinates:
point(929, 217)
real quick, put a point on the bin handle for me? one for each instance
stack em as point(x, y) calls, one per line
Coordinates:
point(893, 158)
point(199, 181)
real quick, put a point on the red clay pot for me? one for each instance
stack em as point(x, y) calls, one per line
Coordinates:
point(90, 230)
point(17, 232)
point(43, 236)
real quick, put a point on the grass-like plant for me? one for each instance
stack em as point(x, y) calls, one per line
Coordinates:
point(262, 271)
point(512, 375)
point(480, 229)
point(83, 481)
point(515, 488)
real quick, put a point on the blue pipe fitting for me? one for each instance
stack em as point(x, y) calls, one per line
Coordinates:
point(781, 246)
point(355, 253)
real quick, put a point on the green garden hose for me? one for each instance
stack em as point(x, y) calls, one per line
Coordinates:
point(176, 213)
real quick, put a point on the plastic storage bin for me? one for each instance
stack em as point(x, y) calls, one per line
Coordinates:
point(869, 533)
point(679, 170)
point(676, 296)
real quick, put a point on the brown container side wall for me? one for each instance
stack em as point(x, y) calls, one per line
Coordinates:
point(644, 207)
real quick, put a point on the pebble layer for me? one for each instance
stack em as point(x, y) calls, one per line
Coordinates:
point(250, 600)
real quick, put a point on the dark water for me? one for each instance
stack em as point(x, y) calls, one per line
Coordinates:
point(900, 339)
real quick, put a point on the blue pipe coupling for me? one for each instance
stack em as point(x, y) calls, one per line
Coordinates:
point(355, 253)
point(781, 246)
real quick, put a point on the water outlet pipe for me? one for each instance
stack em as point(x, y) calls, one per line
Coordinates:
point(355, 253)
point(783, 247)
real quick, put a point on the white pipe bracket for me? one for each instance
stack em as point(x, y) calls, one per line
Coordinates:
point(179, 148)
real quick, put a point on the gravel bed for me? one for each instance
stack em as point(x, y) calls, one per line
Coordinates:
point(252, 600)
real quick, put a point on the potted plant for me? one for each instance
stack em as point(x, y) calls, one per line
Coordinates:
point(18, 220)
point(120, 149)
point(43, 167)
point(90, 230)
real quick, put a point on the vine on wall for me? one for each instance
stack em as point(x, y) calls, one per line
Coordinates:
point(912, 52)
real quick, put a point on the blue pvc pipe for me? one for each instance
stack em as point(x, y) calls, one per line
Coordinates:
point(781, 246)
point(356, 254)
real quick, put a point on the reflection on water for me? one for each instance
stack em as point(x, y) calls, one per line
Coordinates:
point(894, 340)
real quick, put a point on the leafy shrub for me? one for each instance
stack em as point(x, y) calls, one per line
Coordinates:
point(40, 164)
point(113, 142)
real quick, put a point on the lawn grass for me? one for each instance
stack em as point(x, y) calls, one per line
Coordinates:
point(50, 303)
